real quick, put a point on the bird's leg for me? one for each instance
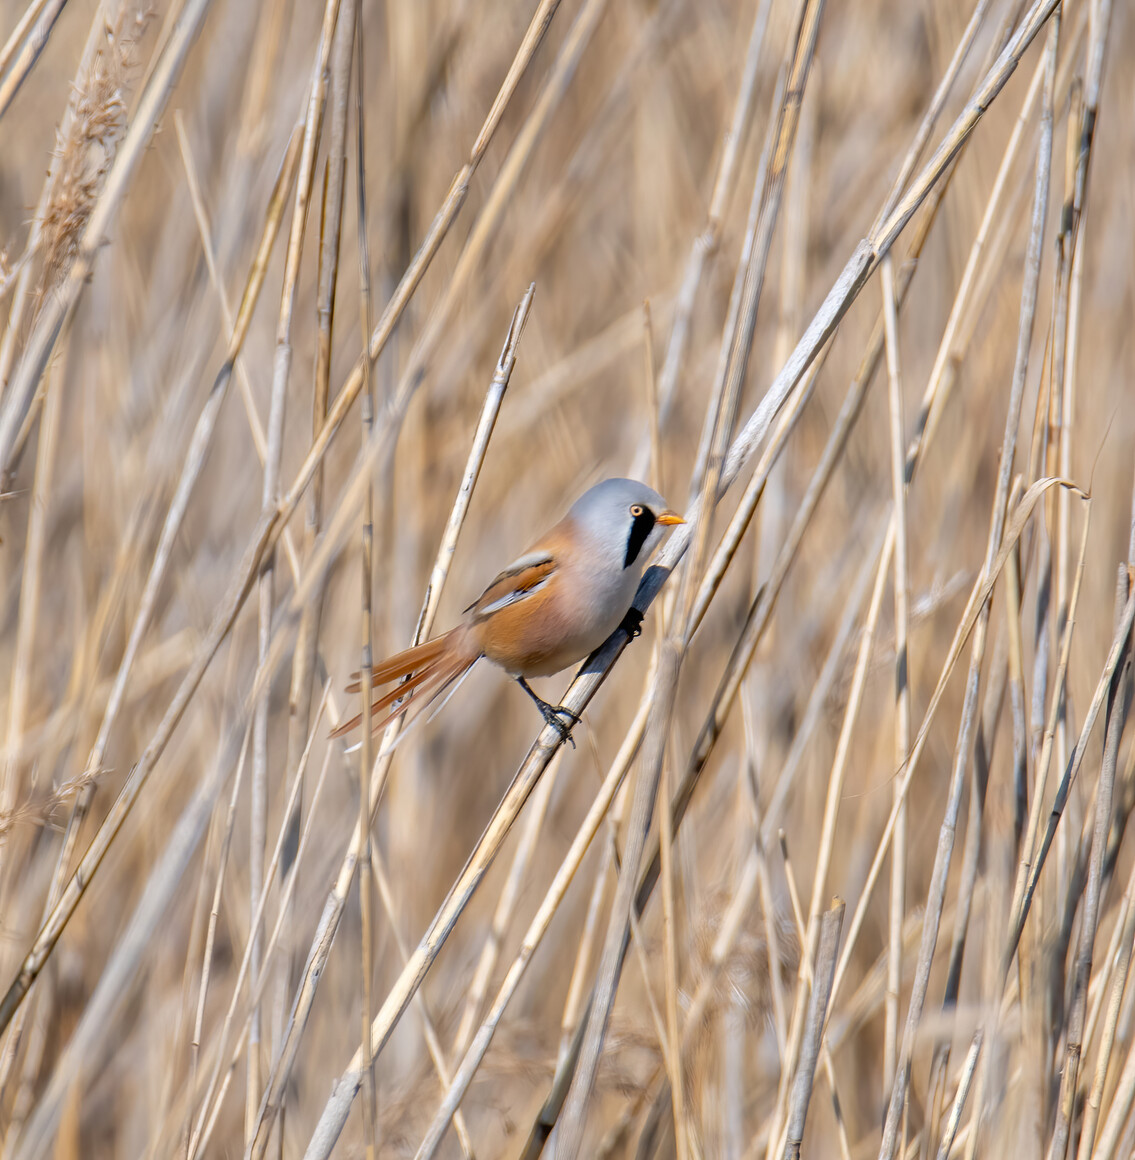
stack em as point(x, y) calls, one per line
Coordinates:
point(551, 713)
point(632, 622)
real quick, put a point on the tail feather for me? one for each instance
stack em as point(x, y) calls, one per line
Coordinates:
point(411, 660)
point(431, 692)
point(427, 671)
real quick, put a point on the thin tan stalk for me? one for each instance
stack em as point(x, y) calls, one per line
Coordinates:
point(267, 528)
point(830, 926)
point(429, 1031)
point(50, 322)
point(214, 917)
point(333, 908)
point(1082, 969)
point(31, 588)
point(943, 855)
point(583, 687)
point(902, 670)
point(222, 1076)
point(706, 242)
point(538, 927)
point(281, 372)
point(353, 14)
point(34, 41)
point(1120, 959)
point(504, 911)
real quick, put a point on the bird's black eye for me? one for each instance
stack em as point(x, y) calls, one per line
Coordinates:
point(642, 523)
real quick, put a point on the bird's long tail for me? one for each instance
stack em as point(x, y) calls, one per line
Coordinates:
point(425, 673)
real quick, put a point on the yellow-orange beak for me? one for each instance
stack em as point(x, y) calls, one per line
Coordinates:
point(668, 517)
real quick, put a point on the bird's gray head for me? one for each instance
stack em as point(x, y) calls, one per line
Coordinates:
point(624, 519)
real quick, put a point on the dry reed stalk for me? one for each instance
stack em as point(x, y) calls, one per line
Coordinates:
point(974, 828)
point(503, 912)
point(89, 1038)
point(235, 362)
point(672, 1044)
point(263, 535)
point(429, 1031)
point(83, 124)
point(353, 39)
point(836, 303)
point(281, 370)
point(218, 1087)
point(538, 927)
point(706, 242)
point(1105, 789)
point(49, 324)
point(808, 957)
point(268, 527)
point(30, 41)
point(34, 10)
point(937, 891)
point(211, 934)
point(31, 586)
point(194, 461)
point(333, 909)
point(736, 345)
point(258, 981)
point(1032, 862)
point(612, 193)
point(821, 990)
point(1119, 958)
point(978, 595)
point(901, 580)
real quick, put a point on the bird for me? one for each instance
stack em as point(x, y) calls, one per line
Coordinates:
point(552, 606)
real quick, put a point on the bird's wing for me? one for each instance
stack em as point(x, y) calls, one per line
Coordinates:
point(521, 579)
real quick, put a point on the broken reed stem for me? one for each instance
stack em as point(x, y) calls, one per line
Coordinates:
point(486, 423)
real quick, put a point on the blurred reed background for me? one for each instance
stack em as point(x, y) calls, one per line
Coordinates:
point(910, 697)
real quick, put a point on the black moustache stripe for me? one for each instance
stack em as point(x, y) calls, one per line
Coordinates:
point(641, 528)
